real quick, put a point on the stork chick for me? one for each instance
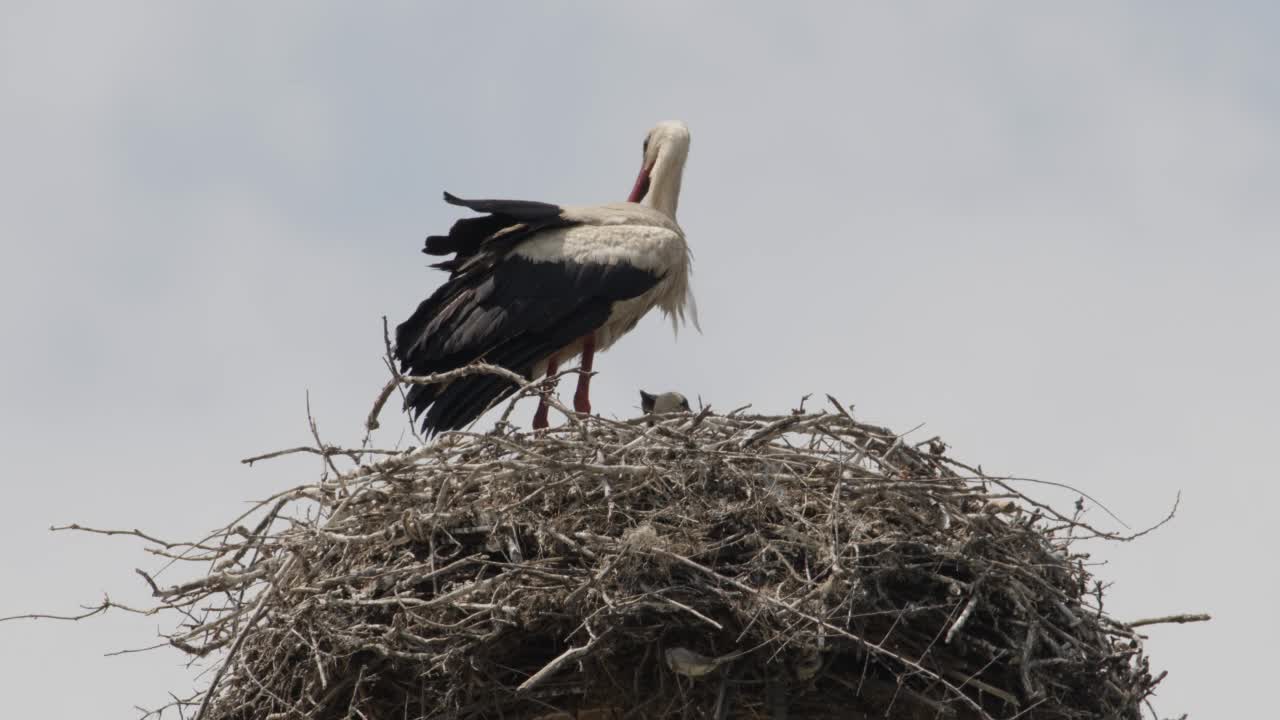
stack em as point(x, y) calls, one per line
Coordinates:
point(663, 403)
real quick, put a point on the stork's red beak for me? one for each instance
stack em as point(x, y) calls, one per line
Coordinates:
point(642, 186)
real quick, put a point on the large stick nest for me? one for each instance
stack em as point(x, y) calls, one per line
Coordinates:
point(740, 566)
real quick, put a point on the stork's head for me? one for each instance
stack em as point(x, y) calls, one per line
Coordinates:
point(665, 149)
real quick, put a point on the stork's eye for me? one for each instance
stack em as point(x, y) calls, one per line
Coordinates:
point(646, 145)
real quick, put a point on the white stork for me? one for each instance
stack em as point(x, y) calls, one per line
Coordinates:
point(532, 285)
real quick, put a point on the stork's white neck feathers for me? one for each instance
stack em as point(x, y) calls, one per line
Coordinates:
point(666, 149)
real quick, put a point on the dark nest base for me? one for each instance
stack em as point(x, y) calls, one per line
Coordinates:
point(804, 566)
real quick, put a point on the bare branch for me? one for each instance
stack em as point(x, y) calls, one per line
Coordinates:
point(1179, 619)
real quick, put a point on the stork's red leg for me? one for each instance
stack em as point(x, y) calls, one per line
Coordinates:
point(540, 417)
point(582, 397)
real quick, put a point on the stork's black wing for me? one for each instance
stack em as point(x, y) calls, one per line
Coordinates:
point(501, 308)
point(507, 223)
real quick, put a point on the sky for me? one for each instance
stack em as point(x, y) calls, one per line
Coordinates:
point(1046, 231)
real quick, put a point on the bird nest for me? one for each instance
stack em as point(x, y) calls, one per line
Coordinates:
point(689, 565)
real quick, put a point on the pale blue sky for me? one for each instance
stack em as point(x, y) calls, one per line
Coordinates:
point(1047, 231)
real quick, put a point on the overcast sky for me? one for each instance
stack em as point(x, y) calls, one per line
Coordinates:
point(1046, 230)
